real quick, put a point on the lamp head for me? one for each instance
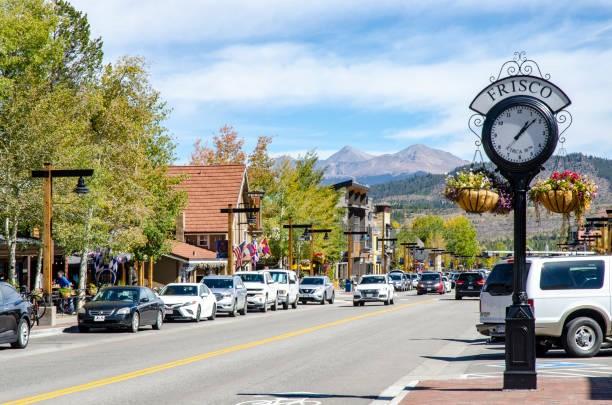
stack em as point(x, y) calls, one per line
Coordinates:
point(81, 187)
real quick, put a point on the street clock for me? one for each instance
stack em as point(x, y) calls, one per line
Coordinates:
point(519, 134)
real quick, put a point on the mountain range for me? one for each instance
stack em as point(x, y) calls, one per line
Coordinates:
point(352, 163)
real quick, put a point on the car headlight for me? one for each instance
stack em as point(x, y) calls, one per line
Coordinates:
point(357, 292)
point(227, 295)
point(123, 311)
point(282, 292)
point(82, 310)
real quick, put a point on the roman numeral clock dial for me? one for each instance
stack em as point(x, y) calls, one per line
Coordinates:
point(519, 133)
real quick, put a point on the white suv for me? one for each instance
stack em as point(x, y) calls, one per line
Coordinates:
point(261, 289)
point(287, 286)
point(570, 297)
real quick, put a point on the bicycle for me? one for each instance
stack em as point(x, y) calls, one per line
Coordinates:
point(38, 301)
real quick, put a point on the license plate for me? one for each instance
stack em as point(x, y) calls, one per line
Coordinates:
point(430, 289)
point(168, 312)
point(99, 318)
point(470, 287)
point(369, 295)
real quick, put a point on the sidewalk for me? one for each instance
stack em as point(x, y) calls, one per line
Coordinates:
point(557, 391)
point(62, 322)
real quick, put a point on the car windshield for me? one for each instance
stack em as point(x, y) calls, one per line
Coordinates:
point(430, 277)
point(180, 290)
point(395, 276)
point(312, 281)
point(252, 277)
point(279, 277)
point(117, 294)
point(218, 282)
point(372, 280)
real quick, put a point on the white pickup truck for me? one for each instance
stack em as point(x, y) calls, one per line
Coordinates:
point(262, 290)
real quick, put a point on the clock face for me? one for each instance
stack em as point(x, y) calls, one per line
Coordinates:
point(520, 133)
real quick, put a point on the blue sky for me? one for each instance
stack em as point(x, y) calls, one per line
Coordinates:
point(379, 75)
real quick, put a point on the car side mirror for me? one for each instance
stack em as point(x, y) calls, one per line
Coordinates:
point(143, 300)
point(204, 294)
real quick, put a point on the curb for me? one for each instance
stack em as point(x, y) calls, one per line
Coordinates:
point(55, 330)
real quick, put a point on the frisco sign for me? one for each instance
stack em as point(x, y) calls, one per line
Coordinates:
point(543, 90)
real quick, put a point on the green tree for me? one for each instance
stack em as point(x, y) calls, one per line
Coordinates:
point(260, 165)
point(430, 229)
point(461, 238)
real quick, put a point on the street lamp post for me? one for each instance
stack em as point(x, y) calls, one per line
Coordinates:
point(313, 231)
point(384, 253)
point(290, 226)
point(47, 174)
point(230, 211)
point(408, 246)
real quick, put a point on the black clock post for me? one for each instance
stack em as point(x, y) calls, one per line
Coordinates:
point(519, 112)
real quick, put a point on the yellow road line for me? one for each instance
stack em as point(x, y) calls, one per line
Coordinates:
point(183, 362)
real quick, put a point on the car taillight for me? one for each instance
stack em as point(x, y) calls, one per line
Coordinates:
point(481, 281)
point(531, 303)
point(459, 282)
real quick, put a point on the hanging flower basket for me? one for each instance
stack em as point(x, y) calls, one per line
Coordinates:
point(564, 193)
point(65, 292)
point(92, 289)
point(478, 191)
point(477, 201)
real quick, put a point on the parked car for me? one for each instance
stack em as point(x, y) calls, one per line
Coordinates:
point(570, 298)
point(399, 280)
point(288, 287)
point(230, 293)
point(414, 279)
point(15, 315)
point(318, 289)
point(122, 308)
point(447, 284)
point(374, 288)
point(430, 282)
point(453, 279)
point(262, 291)
point(192, 301)
point(469, 284)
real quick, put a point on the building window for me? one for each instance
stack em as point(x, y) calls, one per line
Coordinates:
point(213, 241)
point(203, 241)
point(191, 239)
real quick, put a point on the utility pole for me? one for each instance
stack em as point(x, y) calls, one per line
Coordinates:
point(349, 251)
point(290, 227)
point(312, 232)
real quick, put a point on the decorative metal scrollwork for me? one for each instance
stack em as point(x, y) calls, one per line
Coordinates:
point(475, 122)
point(519, 65)
point(564, 121)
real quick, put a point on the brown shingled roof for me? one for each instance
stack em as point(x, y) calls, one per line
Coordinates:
point(190, 252)
point(209, 188)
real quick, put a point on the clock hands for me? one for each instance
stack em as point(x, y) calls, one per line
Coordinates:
point(527, 125)
point(521, 132)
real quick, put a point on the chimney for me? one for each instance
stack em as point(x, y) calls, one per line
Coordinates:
point(180, 227)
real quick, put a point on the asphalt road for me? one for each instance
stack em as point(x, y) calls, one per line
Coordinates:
point(331, 354)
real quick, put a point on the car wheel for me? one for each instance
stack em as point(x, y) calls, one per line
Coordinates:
point(265, 305)
point(159, 321)
point(582, 337)
point(198, 316)
point(213, 315)
point(275, 305)
point(458, 297)
point(243, 311)
point(392, 301)
point(361, 304)
point(355, 303)
point(135, 322)
point(286, 303)
point(323, 300)
point(83, 329)
point(387, 301)
point(234, 310)
point(294, 305)
point(331, 300)
point(23, 334)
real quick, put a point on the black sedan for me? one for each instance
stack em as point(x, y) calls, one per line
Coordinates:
point(122, 308)
point(15, 314)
